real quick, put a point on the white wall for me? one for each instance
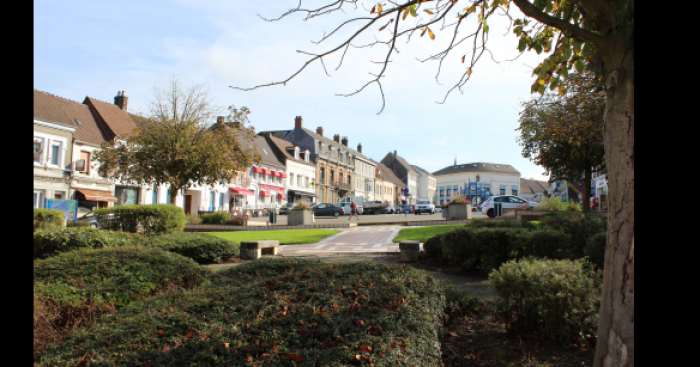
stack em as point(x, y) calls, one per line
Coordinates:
point(493, 178)
point(303, 170)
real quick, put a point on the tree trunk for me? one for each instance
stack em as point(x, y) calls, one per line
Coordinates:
point(615, 345)
point(586, 190)
point(173, 195)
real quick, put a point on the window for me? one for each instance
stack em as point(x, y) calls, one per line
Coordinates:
point(299, 180)
point(38, 199)
point(38, 149)
point(291, 179)
point(449, 192)
point(306, 179)
point(503, 191)
point(306, 156)
point(515, 200)
point(86, 157)
point(349, 179)
point(155, 196)
point(515, 192)
point(332, 176)
point(55, 153)
point(323, 175)
point(221, 201)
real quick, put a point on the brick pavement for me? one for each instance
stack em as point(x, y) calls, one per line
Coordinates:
point(374, 239)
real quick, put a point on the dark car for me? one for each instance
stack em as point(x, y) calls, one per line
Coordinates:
point(327, 209)
point(90, 218)
point(405, 208)
point(285, 209)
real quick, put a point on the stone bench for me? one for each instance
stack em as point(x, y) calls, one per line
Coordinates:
point(251, 250)
point(409, 250)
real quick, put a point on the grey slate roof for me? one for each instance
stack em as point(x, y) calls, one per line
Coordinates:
point(276, 133)
point(388, 175)
point(477, 167)
point(421, 169)
point(334, 144)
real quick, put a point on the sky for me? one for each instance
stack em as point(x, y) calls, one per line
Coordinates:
point(97, 48)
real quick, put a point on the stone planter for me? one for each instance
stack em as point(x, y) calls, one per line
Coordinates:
point(299, 217)
point(445, 212)
point(459, 212)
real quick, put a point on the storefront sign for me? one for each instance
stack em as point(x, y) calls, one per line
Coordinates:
point(68, 207)
point(270, 187)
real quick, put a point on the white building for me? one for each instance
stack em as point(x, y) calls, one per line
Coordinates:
point(301, 169)
point(480, 179)
point(406, 173)
point(532, 190)
point(427, 184)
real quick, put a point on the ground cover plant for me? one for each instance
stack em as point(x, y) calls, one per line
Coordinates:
point(47, 218)
point(275, 312)
point(203, 248)
point(286, 237)
point(54, 241)
point(422, 234)
point(73, 288)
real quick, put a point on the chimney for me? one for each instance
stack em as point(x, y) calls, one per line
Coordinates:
point(319, 130)
point(121, 100)
point(336, 138)
point(359, 147)
point(379, 174)
point(220, 120)
point(297, 121)
point(344, 141)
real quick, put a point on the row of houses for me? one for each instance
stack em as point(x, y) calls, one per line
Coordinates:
point(298, 164)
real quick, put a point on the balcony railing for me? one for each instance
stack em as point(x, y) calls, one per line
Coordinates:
point(342, 186)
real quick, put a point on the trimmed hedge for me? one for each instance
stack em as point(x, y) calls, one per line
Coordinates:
point(433, 246)
point(506, 223)
point(147, 219)
point(595, 248)
point(579, 226)
point(77, 224)
point(459, 247)
point(47, 219)
point(200, 247)
point(215, 218)
point(69, 239)
point(554, 298)
point(276, 312)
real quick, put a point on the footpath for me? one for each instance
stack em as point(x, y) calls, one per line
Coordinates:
point(371, 244)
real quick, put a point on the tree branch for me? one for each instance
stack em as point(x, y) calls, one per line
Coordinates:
point(531, 11)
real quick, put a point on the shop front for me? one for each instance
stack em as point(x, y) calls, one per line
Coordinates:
point(239, 200)
point(89, 200)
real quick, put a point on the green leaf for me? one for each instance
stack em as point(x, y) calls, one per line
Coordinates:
point(486, 28)
point(412, 9)
point(538, 48)
point(522, 44)
point(553, 84)
point(579, 66)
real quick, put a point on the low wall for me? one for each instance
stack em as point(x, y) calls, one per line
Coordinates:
point(229, 228)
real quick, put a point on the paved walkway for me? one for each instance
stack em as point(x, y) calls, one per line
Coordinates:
point(373, 239)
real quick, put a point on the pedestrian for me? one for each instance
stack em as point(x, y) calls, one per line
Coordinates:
point(353, 210)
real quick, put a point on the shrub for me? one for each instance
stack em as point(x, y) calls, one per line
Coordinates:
point(47, 219)
point(459, 247)
point(73, 289)
point(193, 219)
point(550, 203)
point(277, 312)
point(579, 226)
point(498, 245)
point(69, 239)
point(200, 247)
point(547, 243)
point(237, 220)
point(215, 218)
point(148, 219)
point(595, 248)
point(505, 223)
point(77, 224)
point(553, 298)
point(433, 246)
point(459, 303)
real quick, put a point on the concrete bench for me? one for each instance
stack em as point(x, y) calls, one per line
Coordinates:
point(251, 250)
point(409, 250)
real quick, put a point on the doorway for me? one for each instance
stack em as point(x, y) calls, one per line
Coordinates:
point(188, 204)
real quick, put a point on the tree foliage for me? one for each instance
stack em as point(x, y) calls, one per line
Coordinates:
point(564, 133)
point(177, 146)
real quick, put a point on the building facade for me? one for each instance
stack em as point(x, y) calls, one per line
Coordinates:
point(301, 170)
point(478, 181)
point(427, 184)
point(532, 190)
point(406, 173)
point(388, 187)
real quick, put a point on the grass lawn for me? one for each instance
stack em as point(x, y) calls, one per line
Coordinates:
point(286, 237)
point(423, 233)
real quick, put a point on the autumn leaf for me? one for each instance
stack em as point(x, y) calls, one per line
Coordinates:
point(463, 57)
point(366, 348)
point(165, 348)
point(372, 11)
point(430, 33)
point(189, 335)
point(226, 345)
point(249, 358)
point(469, 72)
point(379, 9)
point(295, 357)
point(428, 11)
point(160, 332)
point(425, 29)
point(453, 334)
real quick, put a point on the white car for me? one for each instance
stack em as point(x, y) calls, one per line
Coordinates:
point(425, 206)
point(346, 208)
point(507, 202)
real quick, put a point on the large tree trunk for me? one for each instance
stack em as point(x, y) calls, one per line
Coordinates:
point(173, 194)
point(615, 346)
point(586, 190)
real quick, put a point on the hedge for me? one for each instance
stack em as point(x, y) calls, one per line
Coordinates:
point(47, 219)
point(148, 219)
point(433, 247)
point(74, 238)
point(200, 247)
point(595, 248)
point(215, 218)
point(505, 223)
point(579, 226)
point(77, 224)
point(557, 299)
point(276, 312)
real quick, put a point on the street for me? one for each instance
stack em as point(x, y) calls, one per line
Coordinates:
point(368, 218)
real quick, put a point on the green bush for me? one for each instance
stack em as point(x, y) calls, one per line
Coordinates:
point(459, 303)
point(77, 224)
point(433, 247)
point(70, 239)
point(236, 221)
point(506, 223)
point(147, 219)
point(47, 219)
point(459, 247)
point(276, 312)
point(193, 219)
point(200, 247)
point(553, 298)
point(595, 248)
point(579, 226)
point(550, 203)
point(547, 243)
point(498, 245)
point(215, 218)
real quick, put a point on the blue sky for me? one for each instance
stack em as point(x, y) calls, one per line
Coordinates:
point(96, 48)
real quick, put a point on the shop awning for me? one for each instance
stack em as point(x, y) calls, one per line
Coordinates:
point(282, 196)
point(514, 187)
point(283, 175)
point(277, 174)
point(503, 187)
point(267, 171)
point(257, 169)
point(297, 193)
point(264, 193)
point(97, 195)
point(236, 191)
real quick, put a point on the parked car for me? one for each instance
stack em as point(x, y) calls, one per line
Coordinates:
point(390, 209)
point(595, 203)
point(359, 202)
point(507, 202)
point(327, 209)
point(285, 208)
point(90, 218)
point(425, 206)
point(438, 209)
point(346, 208)
point(405, 208)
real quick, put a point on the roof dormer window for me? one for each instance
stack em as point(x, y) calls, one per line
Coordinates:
point(306, 156)
point(296, 152)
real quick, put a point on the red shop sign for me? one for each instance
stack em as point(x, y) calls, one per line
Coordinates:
point(269, 187)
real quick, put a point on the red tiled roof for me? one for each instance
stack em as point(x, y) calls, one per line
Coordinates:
point(89, 131)
point(46, 107)
point(118, 120)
